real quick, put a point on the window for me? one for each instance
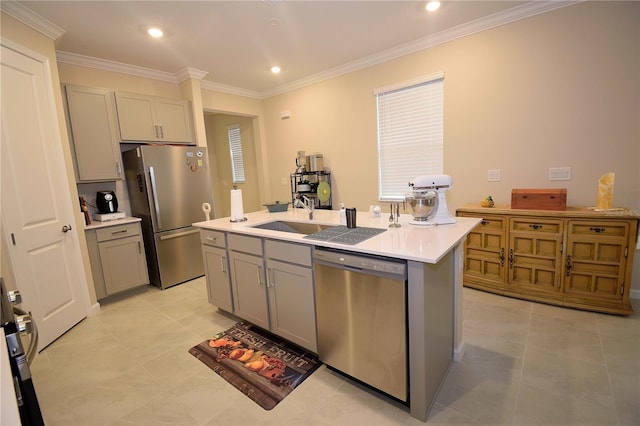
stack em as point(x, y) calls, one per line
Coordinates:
point(235, 148)
point(410, 134)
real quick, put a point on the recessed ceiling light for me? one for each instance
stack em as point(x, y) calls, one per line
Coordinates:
point(275, 69)
point(433, 5)
point(155, 32)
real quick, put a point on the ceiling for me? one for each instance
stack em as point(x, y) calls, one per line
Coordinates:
point(236, 42)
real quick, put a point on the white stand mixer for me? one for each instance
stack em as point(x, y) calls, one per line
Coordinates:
point(439, 184)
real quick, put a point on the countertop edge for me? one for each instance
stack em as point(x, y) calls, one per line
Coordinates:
point(124, 221)
point(426, 244)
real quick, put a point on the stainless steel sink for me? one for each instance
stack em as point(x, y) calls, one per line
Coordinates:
point(305, 228)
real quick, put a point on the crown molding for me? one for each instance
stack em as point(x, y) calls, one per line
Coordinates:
point(190, 73)
point(497, 19)
point(107, 65)
point(233, 90)
point(33, 20)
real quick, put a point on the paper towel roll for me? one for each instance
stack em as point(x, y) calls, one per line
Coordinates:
point(237, 211)
point(605, 191)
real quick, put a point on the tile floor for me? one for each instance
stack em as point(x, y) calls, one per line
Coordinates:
point(525, 364)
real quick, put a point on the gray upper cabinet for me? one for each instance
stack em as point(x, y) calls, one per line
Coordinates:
point(145, 118)
point(94, 134)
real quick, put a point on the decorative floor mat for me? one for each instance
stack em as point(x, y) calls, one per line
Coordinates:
point(264, 367)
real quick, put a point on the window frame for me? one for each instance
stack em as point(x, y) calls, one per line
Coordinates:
point(236, 154)
point(400, 158)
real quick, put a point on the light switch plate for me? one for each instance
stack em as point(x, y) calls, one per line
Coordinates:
point(560, 173)
point(494, 175)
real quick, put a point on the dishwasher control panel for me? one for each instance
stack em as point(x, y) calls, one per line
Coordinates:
point(364, 262)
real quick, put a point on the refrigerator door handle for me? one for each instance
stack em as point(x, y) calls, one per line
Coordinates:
point(156, 205)
point(179, 234)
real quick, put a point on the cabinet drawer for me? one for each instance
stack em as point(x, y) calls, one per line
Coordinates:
point(288, 252)
point(117, 231)
point(213, 238)
point(605, 229)
point(536, 225)
point(488, 223)
point(243, 243)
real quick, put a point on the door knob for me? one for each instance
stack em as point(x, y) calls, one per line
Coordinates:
point(66, 228)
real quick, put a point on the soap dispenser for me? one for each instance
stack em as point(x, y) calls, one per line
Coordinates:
point(343, 215)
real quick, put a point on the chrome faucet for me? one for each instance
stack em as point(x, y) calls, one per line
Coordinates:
point(307, 204)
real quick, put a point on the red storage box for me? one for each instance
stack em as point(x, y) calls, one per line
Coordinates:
point(539, 199)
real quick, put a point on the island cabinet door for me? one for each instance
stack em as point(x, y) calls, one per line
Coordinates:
point(216, 267)
point(249, 288)
point(291, 303)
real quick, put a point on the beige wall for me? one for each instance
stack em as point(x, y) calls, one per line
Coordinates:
point(520, 98)
point(561, 89)
point(221, 173)
point(19, 33)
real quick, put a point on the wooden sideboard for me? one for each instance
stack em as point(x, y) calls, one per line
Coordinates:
point(577, 257)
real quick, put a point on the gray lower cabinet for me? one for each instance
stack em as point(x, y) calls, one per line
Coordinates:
point(117, 258)
point(248, 279)
point(291, 293)
point(216, 269)
point(272, 287)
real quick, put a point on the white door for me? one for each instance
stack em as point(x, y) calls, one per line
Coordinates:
point(36, 202)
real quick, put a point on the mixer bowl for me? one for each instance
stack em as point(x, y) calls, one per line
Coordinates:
point(424, 204)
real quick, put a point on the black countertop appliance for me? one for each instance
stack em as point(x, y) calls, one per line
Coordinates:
point(106, 202)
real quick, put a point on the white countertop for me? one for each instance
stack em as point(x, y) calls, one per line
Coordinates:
point(411, 242)
point(95, 224)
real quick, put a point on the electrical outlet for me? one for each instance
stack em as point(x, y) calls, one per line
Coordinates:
point(560, 173)
point(494, 175)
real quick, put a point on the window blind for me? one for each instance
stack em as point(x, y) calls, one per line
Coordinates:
point(410, 134)
point(235, 148)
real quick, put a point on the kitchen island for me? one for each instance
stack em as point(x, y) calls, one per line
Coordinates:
point(434, 283)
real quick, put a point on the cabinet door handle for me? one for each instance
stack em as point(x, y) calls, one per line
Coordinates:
point(510, 258)
point(223, 260)
point(568, 266)
point(139, 247)
point(259, 275)
point(483, 222)
point(156, 203)
point(122, 231)
point(535, 226)
point(155, 130)
point(597, 230)
point(502, 257)
point(161, 131)
point(118, 168)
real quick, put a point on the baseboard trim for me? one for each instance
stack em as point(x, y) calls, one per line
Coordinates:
point(95, 309)
point(634, 294)
point(458, 352)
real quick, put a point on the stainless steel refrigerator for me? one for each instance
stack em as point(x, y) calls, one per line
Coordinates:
point(167, 186)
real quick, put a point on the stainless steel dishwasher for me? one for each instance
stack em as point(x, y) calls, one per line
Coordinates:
point(362, 318)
